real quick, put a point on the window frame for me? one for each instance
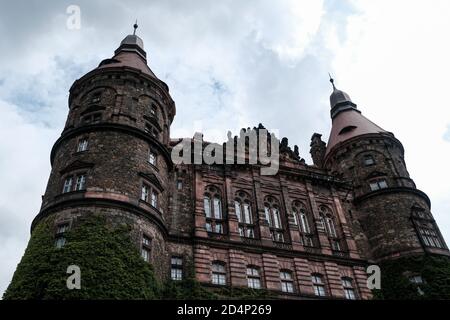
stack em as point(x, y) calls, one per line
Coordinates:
point(60, 235)
point(273, 216)
point(218, 277)
point(303, 223)
point(318, 283)
point(349, 289)
point(83, 144)
point(176, 268)
point(244, 213)
point(254, 280)
point(287, 284)
point(215, 221)
point(146, 247)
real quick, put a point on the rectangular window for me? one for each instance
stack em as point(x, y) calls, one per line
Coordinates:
point(277, 236)
point(287, 284)
point(208, 227)
point(378, 184)
point(152, 158)
point(67, 185)
point(382, 184)
point(218, 274)
point(154, 202)
point(267, 215)
point(145, 253)
point(254, 283)
point(253, 278)
point(82, 145)
point(60, 242)
point(218, 228)
point(61, 229)
point(146, 248)
point(179, 184)
point(207, 206)
point(276, 218)
point(319, 287)
point(335, 245)
point(81, 182)
point(145, 193)
point(176, 272)
point(247, 214)
point(349, 292)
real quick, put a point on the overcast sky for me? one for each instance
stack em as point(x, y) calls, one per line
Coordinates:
point(229, 64)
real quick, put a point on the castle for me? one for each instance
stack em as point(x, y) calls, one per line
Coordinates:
point(310, 231)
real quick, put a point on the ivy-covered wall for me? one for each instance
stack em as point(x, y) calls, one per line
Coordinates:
point(395, 274)
point(105, 255)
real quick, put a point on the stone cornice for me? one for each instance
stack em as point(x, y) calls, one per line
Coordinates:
point(56, 206)
point(392, 190)
point(111, 127)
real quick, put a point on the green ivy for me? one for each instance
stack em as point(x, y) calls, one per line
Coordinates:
point(395, 282)
point(104, 254)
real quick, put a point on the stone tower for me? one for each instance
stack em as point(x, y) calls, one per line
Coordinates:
point(394, 215)
point(112, 156)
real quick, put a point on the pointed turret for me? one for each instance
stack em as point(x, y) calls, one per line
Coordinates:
point(131, 54)
point(347, 120)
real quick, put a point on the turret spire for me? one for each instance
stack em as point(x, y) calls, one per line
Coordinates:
point(332, 81)
point(135, 26)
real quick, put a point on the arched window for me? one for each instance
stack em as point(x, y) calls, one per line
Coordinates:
point(318, 285)
point(302, 221)
point(349, 291)
point(426, 228)
point(219, 274)
point(243, 209)
point(253, 277)
point(213, 210)
point(273, 218)
point(327, 221)
point(287, 281)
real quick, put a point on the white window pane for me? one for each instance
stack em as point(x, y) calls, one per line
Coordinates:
point(374, 186)
point(237, 208)
point(207, 206)
point(154, 199)
point(382, 184)
point(67, 185)
point(247, 214)
point(267, 215)
point(217, 208)
point(276, 218)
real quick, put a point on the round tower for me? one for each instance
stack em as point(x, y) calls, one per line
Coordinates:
point(394, 214)
point(111, 160)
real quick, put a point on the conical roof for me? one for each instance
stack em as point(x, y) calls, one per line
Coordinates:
point(347, 120)
point(131, 54)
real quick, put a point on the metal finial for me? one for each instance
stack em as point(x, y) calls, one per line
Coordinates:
point(135, 26)
point(331, 80)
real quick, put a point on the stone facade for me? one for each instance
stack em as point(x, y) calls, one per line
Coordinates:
point(308, 223)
